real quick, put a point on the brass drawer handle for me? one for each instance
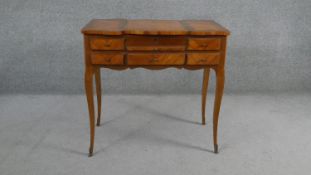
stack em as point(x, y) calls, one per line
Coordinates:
point(204, 45)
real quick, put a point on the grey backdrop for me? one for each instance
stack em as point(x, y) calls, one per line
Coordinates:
point(41, 49)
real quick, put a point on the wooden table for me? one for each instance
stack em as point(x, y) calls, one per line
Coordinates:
point(154, 44)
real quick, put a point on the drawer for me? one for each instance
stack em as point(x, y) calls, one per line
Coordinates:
point(204, 44)
point(156, 59)
point(147, 43)
point(107, 58)
point(203, 58)
point(107, 43)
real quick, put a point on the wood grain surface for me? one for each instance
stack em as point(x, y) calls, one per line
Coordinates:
point(154, 27)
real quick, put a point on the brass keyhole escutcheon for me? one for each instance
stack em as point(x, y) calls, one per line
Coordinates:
point(204, 45)
point(107, 45)
point(155, 40)
point(108, 60)
point(202, 60)
point(154, 59)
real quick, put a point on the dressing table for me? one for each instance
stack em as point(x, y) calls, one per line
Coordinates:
point(121, 44)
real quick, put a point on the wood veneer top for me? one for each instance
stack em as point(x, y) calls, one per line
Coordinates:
point(153, 27)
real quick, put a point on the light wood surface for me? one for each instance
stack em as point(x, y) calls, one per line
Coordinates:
point(105, 27)
point(205, 27)
point(154, 27)
point(120, 44)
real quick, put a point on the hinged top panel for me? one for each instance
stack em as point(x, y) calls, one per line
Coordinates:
point(153, 27)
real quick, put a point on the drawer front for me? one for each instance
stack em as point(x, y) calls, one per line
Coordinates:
point(138, 43)
point(107, 43)
point(107, 58)
point(204, 44)
point(156, 59)
point(203, 58)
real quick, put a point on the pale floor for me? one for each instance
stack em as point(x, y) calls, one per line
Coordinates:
point(258, 134)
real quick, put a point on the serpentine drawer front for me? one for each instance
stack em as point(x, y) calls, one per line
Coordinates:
point(104, 43)
point(145, 59)
point(141, 43)
point(100, 58)
point(203, 58)
point(154, 44)
point(204, 43)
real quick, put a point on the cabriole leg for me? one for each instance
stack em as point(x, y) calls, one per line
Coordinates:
point(99, 94)
point(204, 92)
point(90, 102)
point(220, 78)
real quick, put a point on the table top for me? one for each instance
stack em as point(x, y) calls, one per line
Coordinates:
point(153, 27)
